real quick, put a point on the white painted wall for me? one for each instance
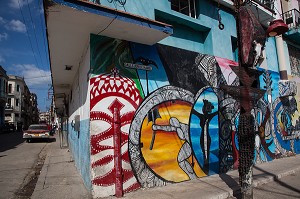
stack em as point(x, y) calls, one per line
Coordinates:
point(79, 104)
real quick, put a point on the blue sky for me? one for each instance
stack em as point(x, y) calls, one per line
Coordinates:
point(23, 45)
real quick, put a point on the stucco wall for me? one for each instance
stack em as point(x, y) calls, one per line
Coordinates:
point(79, 105)
point(176, 122)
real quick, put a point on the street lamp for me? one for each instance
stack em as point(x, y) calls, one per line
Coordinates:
point(277, 27)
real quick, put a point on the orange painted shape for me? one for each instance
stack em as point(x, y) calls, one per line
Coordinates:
point(162, 159)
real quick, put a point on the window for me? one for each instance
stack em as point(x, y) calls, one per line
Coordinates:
point(186, 7)
point(9, 88)
point(16, 114)
point(9, 102)
point(18, 88)
point(17, 102)
point(7, 115)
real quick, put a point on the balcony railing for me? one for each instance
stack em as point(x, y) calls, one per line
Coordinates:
point(268, 4)
point(9, 107)
point(292, 18)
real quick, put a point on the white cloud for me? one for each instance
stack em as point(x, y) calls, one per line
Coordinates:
point(3, 36)
point(2, 60)
point(33, 75)
point(2, 20)
point(16, 25)
point(18, 3)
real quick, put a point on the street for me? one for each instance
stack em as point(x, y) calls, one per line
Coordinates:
point(20, 165)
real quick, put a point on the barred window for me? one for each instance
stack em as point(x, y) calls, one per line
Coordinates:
point(186, 7)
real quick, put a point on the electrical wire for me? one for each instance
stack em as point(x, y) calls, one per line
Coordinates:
point(108, 24)
point(29, 42)
point(34, 31)
point(37, 77)
point(27, 35)
point(43, 33)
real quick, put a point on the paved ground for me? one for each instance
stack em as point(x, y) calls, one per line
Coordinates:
point(285, 188)
point(60, 179)
point(18, 161)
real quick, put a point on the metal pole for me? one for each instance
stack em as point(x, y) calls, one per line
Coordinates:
point(117, 153)
point(245, 128)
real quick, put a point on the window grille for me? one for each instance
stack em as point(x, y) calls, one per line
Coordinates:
point(186, 7)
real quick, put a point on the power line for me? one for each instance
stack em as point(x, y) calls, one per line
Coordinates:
point(36, 77)
point(34, 31)
point(27, 35)
point(40, 4)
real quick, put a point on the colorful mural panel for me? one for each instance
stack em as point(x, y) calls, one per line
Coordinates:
point(176, 121)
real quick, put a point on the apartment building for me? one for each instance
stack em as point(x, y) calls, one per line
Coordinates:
point(3, 94)
point(156, 73)
point(21, 107)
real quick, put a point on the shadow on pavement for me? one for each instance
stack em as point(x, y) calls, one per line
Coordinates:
point(43, 140)
point(10, 140)
point(232, 184)
point(278, 180)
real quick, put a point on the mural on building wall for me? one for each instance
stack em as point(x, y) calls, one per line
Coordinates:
point(294, 55)
point(177, 124)
point(109, 90)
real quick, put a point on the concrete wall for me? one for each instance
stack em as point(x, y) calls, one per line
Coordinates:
point(176, 122)
point(200, 35)
point(180, 102)
point(79, 105)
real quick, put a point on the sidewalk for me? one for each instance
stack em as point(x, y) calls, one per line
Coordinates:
point(59, 179)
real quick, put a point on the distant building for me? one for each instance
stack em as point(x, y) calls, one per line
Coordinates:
point(17, 111)
point(44, 117)
point(3, 94)
point(34, 109)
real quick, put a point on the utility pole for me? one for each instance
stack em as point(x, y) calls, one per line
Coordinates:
point(250, 37)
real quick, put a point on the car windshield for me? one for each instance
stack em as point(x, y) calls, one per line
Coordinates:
point(38, 127)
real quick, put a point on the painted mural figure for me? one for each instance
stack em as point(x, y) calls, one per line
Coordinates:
point(289, 109)
point(185, 151)
point(205, 139)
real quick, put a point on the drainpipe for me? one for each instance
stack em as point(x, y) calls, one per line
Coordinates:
point(117, 153)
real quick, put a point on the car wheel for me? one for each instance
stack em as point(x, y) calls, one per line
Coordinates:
point(28, 140)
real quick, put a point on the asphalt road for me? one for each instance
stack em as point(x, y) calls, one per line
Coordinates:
point(19, 163)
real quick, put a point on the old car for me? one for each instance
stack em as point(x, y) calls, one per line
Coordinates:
point(37, 131)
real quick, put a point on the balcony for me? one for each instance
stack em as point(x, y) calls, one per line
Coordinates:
point(292, 19)
point(268, 4)
point(262, 9)
point(9, 107)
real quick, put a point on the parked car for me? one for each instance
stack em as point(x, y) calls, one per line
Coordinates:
point(37, 131)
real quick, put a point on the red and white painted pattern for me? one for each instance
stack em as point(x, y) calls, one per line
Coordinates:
point(109, 90)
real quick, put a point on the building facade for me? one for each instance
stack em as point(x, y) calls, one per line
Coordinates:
point(21, 106)
point(3, 95)
point(44, 117)
point(140, 88)
point(34, 109)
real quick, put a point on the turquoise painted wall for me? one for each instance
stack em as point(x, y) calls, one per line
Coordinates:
point(199, 35)
point(79, 143)
point(271, 55)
